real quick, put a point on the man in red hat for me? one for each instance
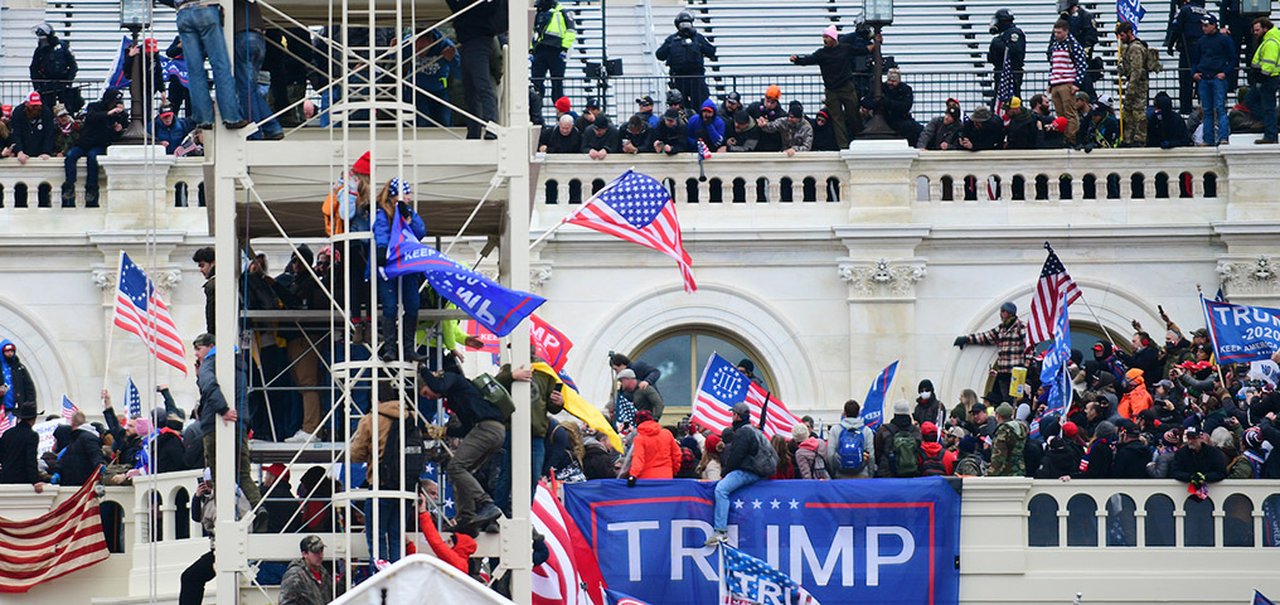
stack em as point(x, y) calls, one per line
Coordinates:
point(32, 130)
point(170, 130)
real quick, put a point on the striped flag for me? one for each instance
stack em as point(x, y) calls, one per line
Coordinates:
point(722, 386)
point(140, 310)
point(6, 421)
point(639, 209)
point(1004, 87)
point(133, 398)
point(704, 152)
point(570, 575)
point(755, 581)
point(68, 409)
point(65, 539)
point(1055, 291)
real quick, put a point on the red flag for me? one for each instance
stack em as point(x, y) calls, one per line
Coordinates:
point(549, 343)
point(65, 539)
point(571, 575)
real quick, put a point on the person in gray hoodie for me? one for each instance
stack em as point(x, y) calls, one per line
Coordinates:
point(851, 422)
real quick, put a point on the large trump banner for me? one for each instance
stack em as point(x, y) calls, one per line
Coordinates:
point(882, 541)
point(1241, 333)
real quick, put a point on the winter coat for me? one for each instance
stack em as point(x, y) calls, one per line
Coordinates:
point(593, 139)
point(1131, 460)
point(971, 465)
point(710, 132)
point(654, 452)
point(884, 442)
point(1061, 458)
point(927, 411)
point(466, 403)
point(1165, 128)
point(937, 132)
point(22, 389)
point(640, 140)
point(739, 452)
point(458, 555)
point(1022, 131)
point(833, 62)
point(798, 136)
point(1209, 461)
point(868, 445)
point(897, 102)
point(811, 461)
point(744, 140)
point(676, 136)
point(362, 441)
point(212, 402)
point(170, 451)
point(1161, 463)
point(684, 53)
point(1146, 359)
point(18, 447)
point(299, 585)
point(32, 136)
point(82, 457)
point(1137, 399)
point(1097, 462)
point(1007, 450)
point(1215, 55)
point(989, 136)
point(172, 134)
point(99, 125)
point(561, 143)
point(597, 461)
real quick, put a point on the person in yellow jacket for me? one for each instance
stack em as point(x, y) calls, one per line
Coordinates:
point(1265, 68)
point(553, 35)
point(453, 337)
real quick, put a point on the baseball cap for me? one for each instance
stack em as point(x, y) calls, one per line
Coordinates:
point(773, 92)
point(645, 100)
point(593, 103)
point(33, 99)
point(733, 96)
point(311, 544)
point(627, 373)
point(977, 407)
point(1191, 432)
point(1208, 19)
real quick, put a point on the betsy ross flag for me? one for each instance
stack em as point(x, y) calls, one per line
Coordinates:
point(722, 386)
point(68, 409)
point(873, 405)
point(755, 581)
point(638, 209)
point(65, 539)
point(1055, 291)
point(133, 399)
point(140, 310)
point(570, 575)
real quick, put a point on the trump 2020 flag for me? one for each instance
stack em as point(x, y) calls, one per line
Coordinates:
point(638, 209)
point(1054, 371)
point(722, 386)
point(873, 405)
point(1241, 333)
point(1130, 11)
point(748, 578)
point(493, 306)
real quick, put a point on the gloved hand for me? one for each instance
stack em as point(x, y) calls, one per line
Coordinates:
point(434, 432)
point(631, 481)
point(406, 212)
point(961, 341)
point(381, 254)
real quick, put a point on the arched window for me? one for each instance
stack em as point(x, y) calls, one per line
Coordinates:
point(681, 355)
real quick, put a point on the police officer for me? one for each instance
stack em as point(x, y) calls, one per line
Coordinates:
point(1183, 34)
point(53, 68)
point(1008, 44)
point(684, 53)
point(553, 35)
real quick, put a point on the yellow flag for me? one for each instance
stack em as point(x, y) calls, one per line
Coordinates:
point(576, 405)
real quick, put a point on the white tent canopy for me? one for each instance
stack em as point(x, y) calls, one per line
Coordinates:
point(421, 580)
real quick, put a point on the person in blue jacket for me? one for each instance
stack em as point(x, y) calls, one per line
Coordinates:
point(435, 66)
point(395, 199)
point(707, 127)
point(1215, 59)
point(169, 130)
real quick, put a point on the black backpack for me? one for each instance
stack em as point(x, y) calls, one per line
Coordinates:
point(933, 465)
point(390, 474)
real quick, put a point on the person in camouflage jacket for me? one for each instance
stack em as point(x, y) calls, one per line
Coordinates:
point(1007, 447)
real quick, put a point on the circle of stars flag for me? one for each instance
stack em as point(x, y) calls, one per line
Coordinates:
point(140, 311)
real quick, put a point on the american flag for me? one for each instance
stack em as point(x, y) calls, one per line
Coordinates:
point(140, 310)
point(619, 598)
point(133, 399)
point(704, 152)
point(638, 209)
point(722, 386)
point(1004, 86)
point(6, 421)
point(68, 409)
point(1054, 291)
point(67, 538)
point(570, 575)
point(750, 579)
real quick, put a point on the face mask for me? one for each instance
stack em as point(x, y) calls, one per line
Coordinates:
point(926, 395)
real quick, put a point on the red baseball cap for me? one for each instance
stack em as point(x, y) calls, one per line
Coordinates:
point(34, 99)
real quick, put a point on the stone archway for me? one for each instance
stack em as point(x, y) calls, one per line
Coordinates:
point(38, 352)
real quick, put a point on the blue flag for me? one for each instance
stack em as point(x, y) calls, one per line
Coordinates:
point(133, 399)
point(618, 598)
point(495, 307)
point(1258, 599)
point(873, 405)
point(1054, 372)
point(1241, 333)
point(117, 78)
point(1130, 11)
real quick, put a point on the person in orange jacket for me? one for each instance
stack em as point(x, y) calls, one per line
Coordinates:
point(654, 451)
point(458, 555)
point(1138, 398)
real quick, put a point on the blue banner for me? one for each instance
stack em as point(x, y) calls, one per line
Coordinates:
point(1130, 11)
point(1241, 333)
point(495, 307)
point(119, 79)
point(881, 541)
point(873, 405)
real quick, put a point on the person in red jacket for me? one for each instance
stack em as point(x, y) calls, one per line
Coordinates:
point(654, 451)
point(458, 555)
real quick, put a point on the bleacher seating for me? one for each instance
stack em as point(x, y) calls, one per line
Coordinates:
point(93, 29)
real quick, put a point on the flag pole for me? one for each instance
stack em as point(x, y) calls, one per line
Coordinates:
point(111, 323)
point(1088, 306)
point(565, 220)
point(721, 585)
point(1222, 380)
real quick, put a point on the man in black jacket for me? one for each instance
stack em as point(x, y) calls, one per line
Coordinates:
point(833, 60)
point(562, 138)
point(481, 427)
point(1198, 462)
point(1132, 455)
point(635, 137)
point(898, 100)
point(645, 373)
point(18, 447)
point(206, 262)
point(31, 131)
point(53, 69)
point(738, 462)
point(214, 405)
point(103, 126)
point(477, 29)
point(16, 385)
point(671, 134)
point(684, 53)
point(981, 131)
point(83, 455)
point(600, 139)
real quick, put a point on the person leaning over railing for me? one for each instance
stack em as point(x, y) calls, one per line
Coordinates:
point(797, 134)
point(31, 131)
point(941, 132)
point(600, 138)
point(563, 138)
point(635, 138)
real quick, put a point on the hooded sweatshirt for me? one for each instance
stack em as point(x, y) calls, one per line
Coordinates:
point(868, 445)
point(21, 388)
point(811, 460)
point(654, 452)
point(1138, 398)
point(710, 131)
point(458, 555)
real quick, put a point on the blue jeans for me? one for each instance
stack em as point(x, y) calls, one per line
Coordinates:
point(200, 28)
point(251, 47)
point(91, 163)
point(537, 455)
point(727, 485)
point(1267, 112)
point(388, 530)
point(1213, 97)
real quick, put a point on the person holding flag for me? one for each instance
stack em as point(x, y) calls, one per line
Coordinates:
point(394, 203)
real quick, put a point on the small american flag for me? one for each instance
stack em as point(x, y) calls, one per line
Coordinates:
point(722, 386)
point(6, 421)
point(1004, 86)
point(1054, 291)
point(68, 409)
point(638, 209)
point(133, 398)
point(140, 310)
point(703, 151)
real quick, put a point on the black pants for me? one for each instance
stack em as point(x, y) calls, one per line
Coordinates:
point(1186, 87)
point(194, 577)
point(692, 86)
point(999, 389)
point(547, 59)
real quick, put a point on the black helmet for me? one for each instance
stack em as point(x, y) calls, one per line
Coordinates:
point(1003, 15)
point(684, 17)
point(675, 97)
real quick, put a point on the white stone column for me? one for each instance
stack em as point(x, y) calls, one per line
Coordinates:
point(880, 185)
point(137, 185)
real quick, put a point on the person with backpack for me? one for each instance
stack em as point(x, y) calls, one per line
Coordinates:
point(1007, 459)
point(933, 461)
point(747, 458)
point(811, 454)
point(853, 448)
point(970, 463)
point(1136, 61)
point(385, 472)
point(481, 424)
point(898, 442)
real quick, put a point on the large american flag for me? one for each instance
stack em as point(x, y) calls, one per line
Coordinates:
point(1004, 87)
point(638, 209)
point(722, 386)
point(1054, 291)
point(570, 575)
point(140, 310)
point(65, 539)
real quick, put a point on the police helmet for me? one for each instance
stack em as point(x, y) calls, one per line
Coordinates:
point(684, 17)
point(675, 97)
point(1003, 15)
point(43, 30)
